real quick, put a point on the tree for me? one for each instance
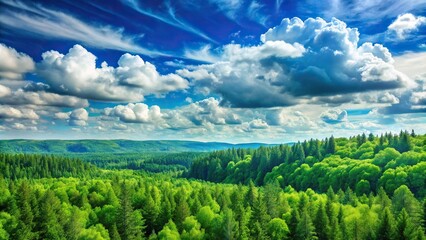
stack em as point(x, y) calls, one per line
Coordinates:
point(230, 226)
point(52, 217)
point(386, 227)
point(182, 209)
point(192, 229)
point(305, 229)
point(26, 217)
point(321, 222)
point(130, 223)
point(75, 224)
point(169, 232)
point(294, 221)
point(404, 229)
point(278, 229)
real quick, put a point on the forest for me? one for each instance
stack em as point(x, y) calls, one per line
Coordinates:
point(363, 187)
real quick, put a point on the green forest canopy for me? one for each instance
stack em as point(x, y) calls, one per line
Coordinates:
point(51, 197)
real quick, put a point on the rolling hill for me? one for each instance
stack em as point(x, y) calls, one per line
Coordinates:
point(114, 146)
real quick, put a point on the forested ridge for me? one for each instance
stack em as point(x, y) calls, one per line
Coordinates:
point(52, 197)
point(361, 163)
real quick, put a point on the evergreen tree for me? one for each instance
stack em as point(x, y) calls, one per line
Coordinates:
point(130, 223)
point(230, 226)
point(305, 229)
point(26, 217)
point(51, 217)
point(321, 222)
point(404, 229)
point(386, 227)
point(294, 221)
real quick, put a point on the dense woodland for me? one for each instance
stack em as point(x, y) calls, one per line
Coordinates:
point(365, 187)
point(362, 163)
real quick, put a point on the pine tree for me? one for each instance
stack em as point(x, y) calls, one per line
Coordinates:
point(51, 222)
point(113, 233)
point(404, 229)
point(321, 223)
point(386, 227)
point(305, 229)
point(26, 217)
point(294, 221)
point(230, 226)
point(130, 223)
point(182, 209)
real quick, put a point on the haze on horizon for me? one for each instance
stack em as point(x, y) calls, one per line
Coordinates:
point(226, 71)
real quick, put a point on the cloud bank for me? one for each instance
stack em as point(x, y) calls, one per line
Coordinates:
point(295, 61)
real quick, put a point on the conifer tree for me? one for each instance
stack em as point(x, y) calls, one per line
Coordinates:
point(386, 230)
point(321, 222)
point(305, 229)
point(404, 229)
point(130, 223)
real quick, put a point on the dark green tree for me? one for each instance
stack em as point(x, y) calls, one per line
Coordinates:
point(386, 230)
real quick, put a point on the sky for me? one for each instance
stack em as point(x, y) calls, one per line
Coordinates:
point(214, 70)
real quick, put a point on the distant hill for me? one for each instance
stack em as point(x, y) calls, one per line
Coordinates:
point(115, 146)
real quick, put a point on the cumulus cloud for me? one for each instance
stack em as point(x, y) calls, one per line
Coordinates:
point(298, 60)
point(251, 126)
point(202, 113)
point(76, 117)
point(62, 115)
point(406, 24)
point(20, 126)
point(8, 112)
point(76, 74)
point(79, 117)
point(13, 64)
point(135, 113)
point(4, 91)
point(334, 116)
point(291, 121)
point(258, 124)
point(389, 98)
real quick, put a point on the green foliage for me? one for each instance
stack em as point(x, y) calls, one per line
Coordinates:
point(360, 163)
point(382, 197)
point(16, 166)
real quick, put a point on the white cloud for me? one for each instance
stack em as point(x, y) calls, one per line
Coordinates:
point(258, 124)
point(291, 121)
point(76, 117)
point(42, 98)
point(44, 22)
point(334, 116)
point(62, 115)
point(412, 64)
point(135, 113)
point(20, 126)
point(8, 112)
point(298, 60)
point(76, 74)
point(13, 64)
point(406, 24)
point(206, 112)
point(418, 98)
point(389, 98)
point(133, 71)
point(4, 91)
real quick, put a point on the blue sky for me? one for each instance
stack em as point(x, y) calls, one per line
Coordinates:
point(216, 70)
